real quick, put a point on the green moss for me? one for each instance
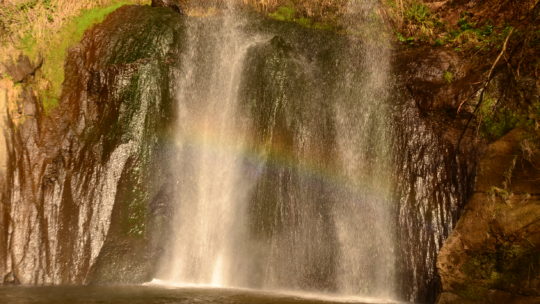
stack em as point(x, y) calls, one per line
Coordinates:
point(49, 102)
point(289, 14)
point(323, 26)
point(54, 57)
point(471, 292)
point(496, 122)
point(306, 22)
point(137, 211)
point(507, 267)
point(496, 125)
point(448, 76)
point(284, 13)
point(6, 76)
point(28, 45)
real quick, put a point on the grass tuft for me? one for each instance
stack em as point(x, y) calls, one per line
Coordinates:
point(68, 36)
point(45, 30)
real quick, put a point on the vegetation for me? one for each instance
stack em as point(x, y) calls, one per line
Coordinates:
point(70, 34)
point(44, 30)
point(448, 76)
point(289, 14)
point(507, 266)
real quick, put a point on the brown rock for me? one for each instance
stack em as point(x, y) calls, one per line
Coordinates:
point(424, 69)
point(21, 68)
point(493, 255)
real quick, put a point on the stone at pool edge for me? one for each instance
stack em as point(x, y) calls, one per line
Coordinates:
point(172, 4)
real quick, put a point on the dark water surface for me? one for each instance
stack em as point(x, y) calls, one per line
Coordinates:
point(151, 295)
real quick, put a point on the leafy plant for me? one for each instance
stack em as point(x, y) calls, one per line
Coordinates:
point(403, 39)
point(464, 23)
point(418, 12)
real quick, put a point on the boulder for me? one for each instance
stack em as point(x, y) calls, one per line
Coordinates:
point(493, 255)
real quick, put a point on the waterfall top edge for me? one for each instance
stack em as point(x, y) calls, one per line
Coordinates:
point(336, 298)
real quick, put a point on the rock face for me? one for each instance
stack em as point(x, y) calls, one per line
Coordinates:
point(434, 179)
point(493, 255)
point(88, 193)
point(172, 4)
point(438, 78)
point(88, 189)
point(90, 172)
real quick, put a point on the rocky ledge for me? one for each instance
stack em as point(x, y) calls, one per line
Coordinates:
point(493, 255)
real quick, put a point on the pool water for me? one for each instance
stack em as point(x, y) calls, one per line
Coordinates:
point(159, 295)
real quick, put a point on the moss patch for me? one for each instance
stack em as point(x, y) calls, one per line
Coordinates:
point(497, 120)
point(508, 268)
point(290, 14)
point(60, 42)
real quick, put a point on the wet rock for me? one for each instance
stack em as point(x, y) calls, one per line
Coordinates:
point(438, 78)
point(172, 4)
point(85, 166)
point(11, 279)
point(494, 252)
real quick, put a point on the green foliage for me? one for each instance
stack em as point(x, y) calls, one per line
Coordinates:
point(464, 24)
point(418, 12)
point(289, 13)
point(54, 57)
point(469, 35)
point(26, 6)
point(448, 76)
point(403, 39)
point(420, 24)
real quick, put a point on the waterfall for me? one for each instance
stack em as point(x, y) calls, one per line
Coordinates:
point(240, 152)
point(283, 169)
point(364, 141)
point(211, 140)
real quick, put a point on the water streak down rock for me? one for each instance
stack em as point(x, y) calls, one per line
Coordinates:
point(95, 159)
point(90, 187)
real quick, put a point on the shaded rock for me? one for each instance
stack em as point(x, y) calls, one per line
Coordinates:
point(11, 279)
point(172, 4)
point(494, 252)
point(21, 68)
point(438, 78)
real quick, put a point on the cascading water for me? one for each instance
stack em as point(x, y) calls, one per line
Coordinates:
point(298, 162)
point(283, 169)
point(211, 136)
